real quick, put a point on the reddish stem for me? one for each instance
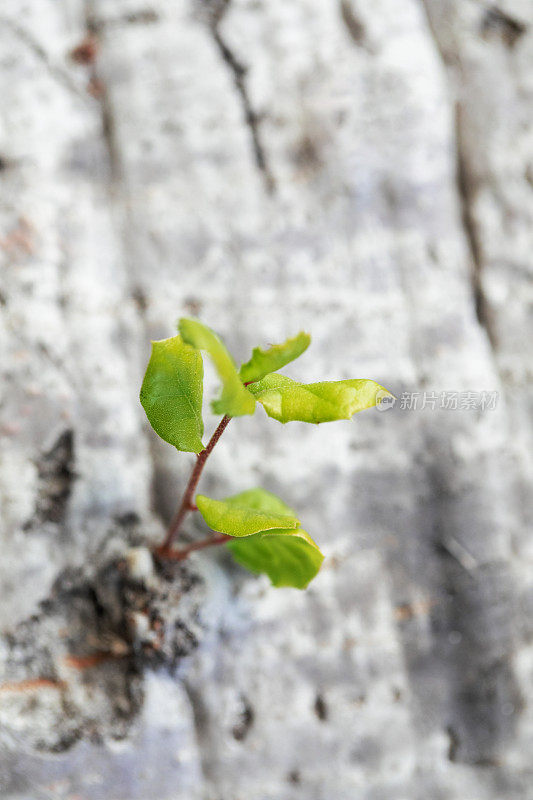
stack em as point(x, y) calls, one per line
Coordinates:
point(187, 502)
point(184, 552)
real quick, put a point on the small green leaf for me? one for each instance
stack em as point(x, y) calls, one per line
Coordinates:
point(171, 393)
point(287, 400)
point(264, 361)
point(235, 399)
point(288, 557)
point(246, 513)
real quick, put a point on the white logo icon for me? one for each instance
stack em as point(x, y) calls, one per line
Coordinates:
point(384, 400)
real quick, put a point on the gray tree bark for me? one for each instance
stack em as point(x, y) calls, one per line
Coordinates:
point(360, 170)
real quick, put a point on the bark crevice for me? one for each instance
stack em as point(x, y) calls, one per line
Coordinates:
point(466, 192)
point(353, 24)
point(118, 201)
point(37, 49)
point(251, 116)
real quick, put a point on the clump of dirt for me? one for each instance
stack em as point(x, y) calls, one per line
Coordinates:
point(75, 668)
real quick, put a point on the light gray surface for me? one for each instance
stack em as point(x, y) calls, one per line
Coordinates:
point(369, 178)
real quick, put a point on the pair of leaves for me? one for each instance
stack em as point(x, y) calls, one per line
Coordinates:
point(172, 390)
point(268, 536)
point(171, 393)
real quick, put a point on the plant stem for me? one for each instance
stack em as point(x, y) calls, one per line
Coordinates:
point(184, 552)
point(187, 503)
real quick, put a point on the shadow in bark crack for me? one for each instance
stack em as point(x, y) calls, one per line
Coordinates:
point(458, 638)
point(55, 478)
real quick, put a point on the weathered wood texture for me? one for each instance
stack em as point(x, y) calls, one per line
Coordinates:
point(363, 171)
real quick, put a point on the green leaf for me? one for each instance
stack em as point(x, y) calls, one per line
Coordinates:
point(288, 557)
point(235, 399)
point(264, 361)
point(171, 393)
point(268, 536)
point(246, 513)
point(287, 400)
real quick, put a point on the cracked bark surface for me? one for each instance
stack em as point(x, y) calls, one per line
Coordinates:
point(399, 233)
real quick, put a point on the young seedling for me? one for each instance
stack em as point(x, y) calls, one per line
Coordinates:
point(261, 531)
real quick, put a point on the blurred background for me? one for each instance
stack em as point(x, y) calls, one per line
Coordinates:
point(360, 170)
